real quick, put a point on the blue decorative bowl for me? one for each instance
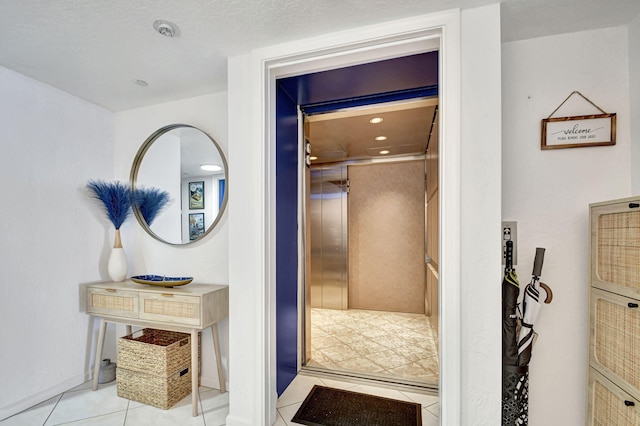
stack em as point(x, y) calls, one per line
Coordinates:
point(160, 280)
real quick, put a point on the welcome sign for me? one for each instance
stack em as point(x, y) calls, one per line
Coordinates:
point(580, 131)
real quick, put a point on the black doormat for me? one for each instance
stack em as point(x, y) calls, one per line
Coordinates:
point(335, 407)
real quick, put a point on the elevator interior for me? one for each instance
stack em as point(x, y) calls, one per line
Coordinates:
point(372, 235)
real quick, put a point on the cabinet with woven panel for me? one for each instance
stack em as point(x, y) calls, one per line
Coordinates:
point(614, 313)
point(609, 405)
point(615, 246)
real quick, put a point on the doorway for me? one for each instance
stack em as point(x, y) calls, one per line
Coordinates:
point(372, 310)
point(319, 94)
point(255, 220)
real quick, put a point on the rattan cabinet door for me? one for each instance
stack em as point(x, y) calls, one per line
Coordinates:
point(108, 301)
point(615, 339)
point(170, 308)
point(609, 405)
point(615, 246)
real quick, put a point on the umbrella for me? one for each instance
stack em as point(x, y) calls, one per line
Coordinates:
point(535, 294)
point(511, 372)
point(510, 291)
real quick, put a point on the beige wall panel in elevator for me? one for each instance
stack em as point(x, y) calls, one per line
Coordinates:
point(386, 237)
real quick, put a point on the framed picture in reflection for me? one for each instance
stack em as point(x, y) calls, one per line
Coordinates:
point(196, 225)
point(196, 195)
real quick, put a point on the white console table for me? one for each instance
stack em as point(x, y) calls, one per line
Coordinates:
point(187, 309)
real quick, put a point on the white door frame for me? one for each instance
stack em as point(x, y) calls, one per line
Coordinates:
point(439, 31)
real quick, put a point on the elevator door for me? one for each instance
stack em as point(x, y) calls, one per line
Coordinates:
point(329, 260)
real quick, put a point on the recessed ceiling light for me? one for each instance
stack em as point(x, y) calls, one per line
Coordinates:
point(313, 158)
point(211, 167)
point(141, 83)
point(381, 138)
point(384, 151)
point(166, 28)
point(376, 120)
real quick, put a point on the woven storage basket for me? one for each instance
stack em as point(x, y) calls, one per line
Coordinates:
point(161, 392)
point(154, 367)
point(158, 352)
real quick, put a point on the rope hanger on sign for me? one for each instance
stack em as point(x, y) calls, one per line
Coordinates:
point(575, 92)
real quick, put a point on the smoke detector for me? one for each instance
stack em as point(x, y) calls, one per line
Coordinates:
point(166, 28)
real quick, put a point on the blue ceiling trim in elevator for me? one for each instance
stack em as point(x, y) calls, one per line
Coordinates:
point(402, 95)
point(406, 73)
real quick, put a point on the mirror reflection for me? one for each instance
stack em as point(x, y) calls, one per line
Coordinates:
point(185, 165)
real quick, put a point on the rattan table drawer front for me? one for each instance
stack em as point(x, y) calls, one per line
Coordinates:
point(609, 405)
point(112, 302)
point(615, 247)
point(615, 339)
point(169, 307)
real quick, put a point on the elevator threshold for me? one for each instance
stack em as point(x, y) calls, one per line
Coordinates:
point(389, 382)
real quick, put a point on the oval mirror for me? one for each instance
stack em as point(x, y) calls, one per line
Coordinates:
point(179, 182)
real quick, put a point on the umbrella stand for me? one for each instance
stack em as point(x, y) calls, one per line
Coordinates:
point(515, 376)
point(515, 395)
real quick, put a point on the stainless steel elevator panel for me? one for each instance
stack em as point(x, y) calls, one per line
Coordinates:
point(329, 263)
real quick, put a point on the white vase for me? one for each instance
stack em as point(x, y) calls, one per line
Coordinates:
point(117, 266)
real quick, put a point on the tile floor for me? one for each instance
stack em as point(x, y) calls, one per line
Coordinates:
point(82, 406)
point(380, 343)
point(401, 345)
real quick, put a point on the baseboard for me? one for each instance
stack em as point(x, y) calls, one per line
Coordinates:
point(42, 396)
point(35, 399)
point(235, 421)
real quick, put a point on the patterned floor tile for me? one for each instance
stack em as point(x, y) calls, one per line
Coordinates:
point(396, 344)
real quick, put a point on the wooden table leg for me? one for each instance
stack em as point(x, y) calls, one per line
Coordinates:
point(98, 356)
point(128, 330)
point(216, 346)
point(194, 371)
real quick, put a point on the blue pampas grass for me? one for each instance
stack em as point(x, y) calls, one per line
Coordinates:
point(116, 198)
point(150, 201)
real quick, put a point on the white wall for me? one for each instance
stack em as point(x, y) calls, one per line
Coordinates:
point(480, 177)
point(54, 237)
point(548, 193)
point(634, 92)
point(206, 260)
point(246, 383)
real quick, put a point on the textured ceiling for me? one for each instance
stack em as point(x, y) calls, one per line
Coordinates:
point(524, 19)
point(96, 49)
